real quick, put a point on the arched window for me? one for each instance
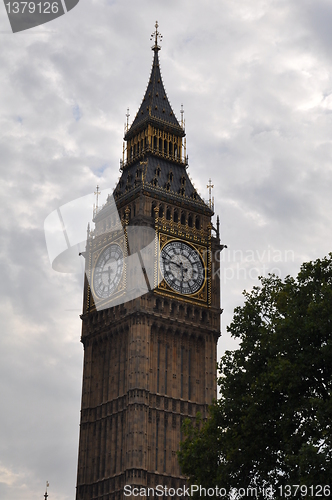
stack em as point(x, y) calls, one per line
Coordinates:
point(168, 214)
point(176, 216)
point(190, 221)
point(197, 223)
point(161, 211)
point(183, 218)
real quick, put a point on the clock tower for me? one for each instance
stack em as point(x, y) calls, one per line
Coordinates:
point(151, 311)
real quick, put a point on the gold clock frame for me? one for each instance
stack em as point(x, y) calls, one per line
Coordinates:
point(96, 250)
point(202, 295)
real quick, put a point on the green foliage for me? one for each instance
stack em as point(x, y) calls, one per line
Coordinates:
point(272, 424)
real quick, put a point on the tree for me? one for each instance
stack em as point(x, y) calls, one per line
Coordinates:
point(271, 426)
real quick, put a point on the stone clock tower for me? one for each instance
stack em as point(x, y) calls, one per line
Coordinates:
point(151, 312)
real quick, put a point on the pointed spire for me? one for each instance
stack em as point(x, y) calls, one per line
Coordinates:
point(155, 107)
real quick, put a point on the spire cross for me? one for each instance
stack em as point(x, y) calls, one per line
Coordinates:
point(156, 35)
point(210, 186)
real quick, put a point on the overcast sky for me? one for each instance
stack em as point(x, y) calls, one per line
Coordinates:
point(254, 77)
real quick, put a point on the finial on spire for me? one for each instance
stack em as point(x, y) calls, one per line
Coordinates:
point(210, 186)
point(46, 494)
point(127, 123)
point(182, 119)
point(95, 206)
point(156, 35)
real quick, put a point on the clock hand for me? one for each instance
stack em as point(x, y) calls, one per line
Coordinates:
point(183, 270)
point(176, 264)
point(172, 262)
point(107, 270)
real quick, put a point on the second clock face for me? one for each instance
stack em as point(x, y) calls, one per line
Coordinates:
point(182, 267)
point(108, 271)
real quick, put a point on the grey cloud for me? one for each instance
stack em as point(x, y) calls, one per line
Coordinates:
point(252, 77)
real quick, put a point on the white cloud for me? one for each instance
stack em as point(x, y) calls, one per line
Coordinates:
point(8, 477)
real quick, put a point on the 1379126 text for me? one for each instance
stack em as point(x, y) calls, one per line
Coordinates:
point(32, 7)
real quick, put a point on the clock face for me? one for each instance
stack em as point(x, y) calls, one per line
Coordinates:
point(182, 267)
point(108, 271)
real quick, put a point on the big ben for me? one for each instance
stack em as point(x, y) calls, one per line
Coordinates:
point(151, 311)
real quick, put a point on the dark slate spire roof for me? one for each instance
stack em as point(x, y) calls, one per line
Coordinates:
point(158, 174)
point(155, 107)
